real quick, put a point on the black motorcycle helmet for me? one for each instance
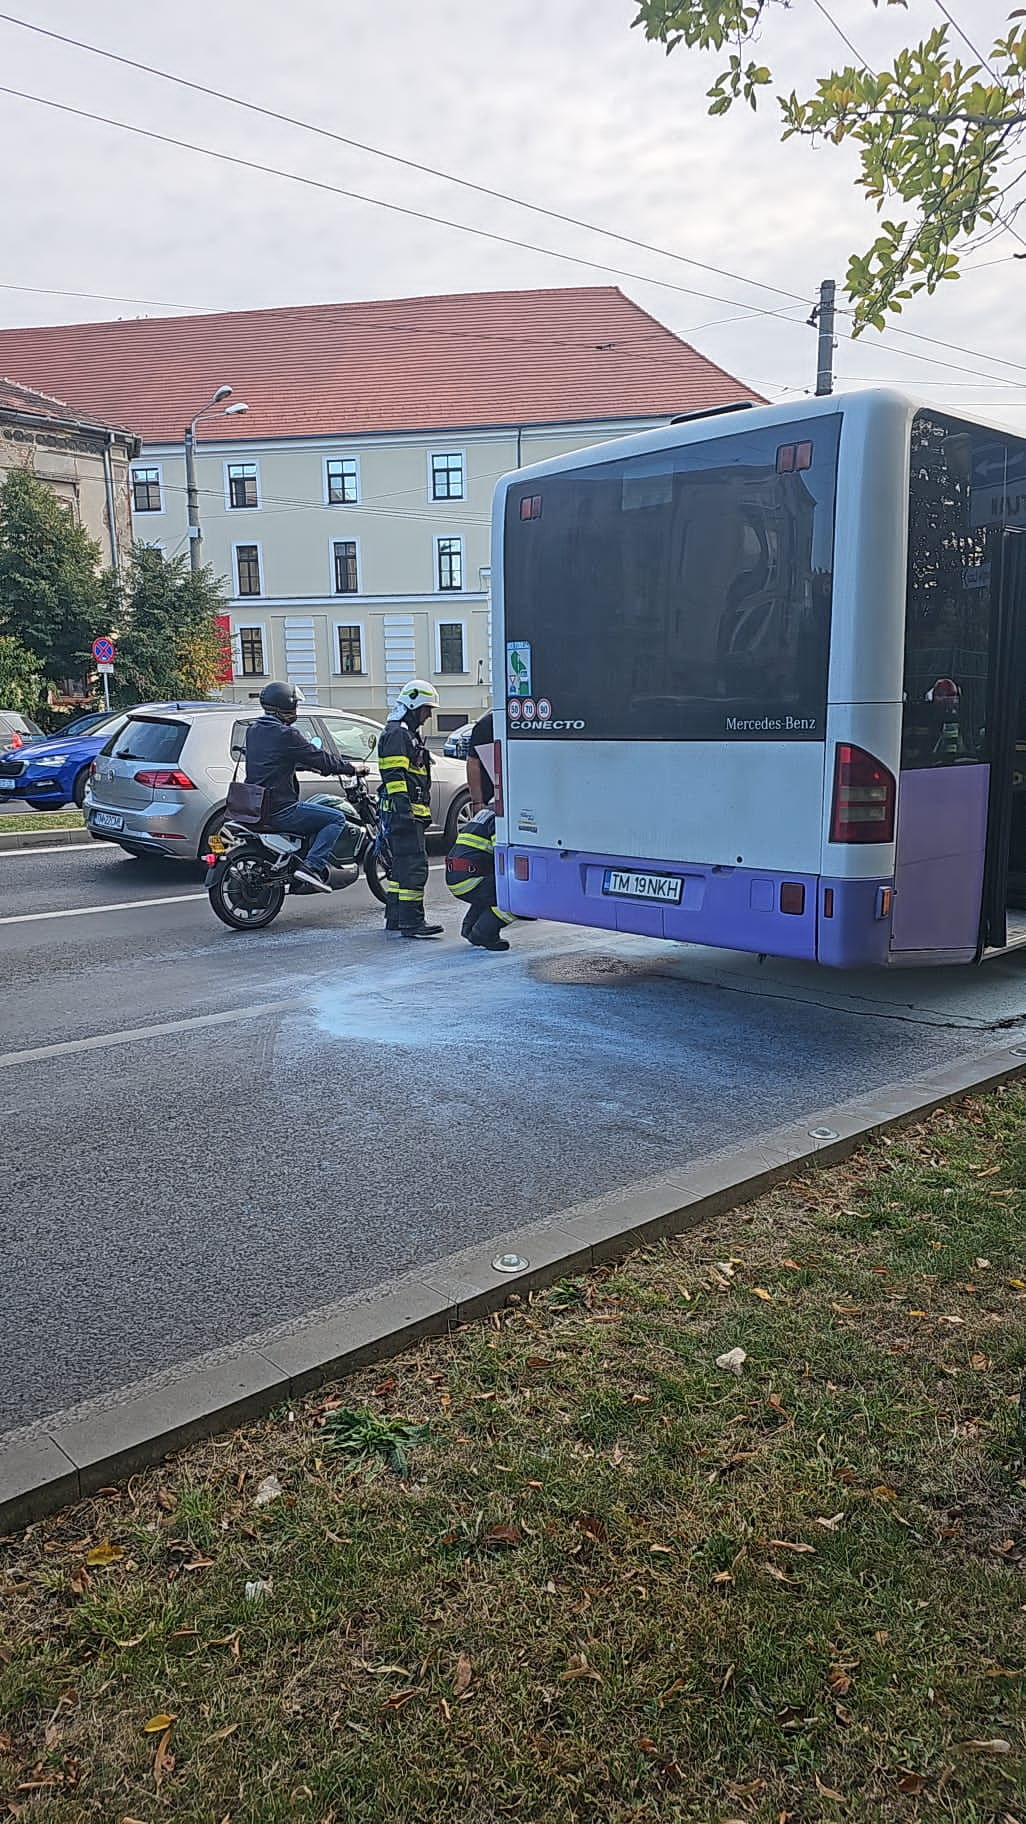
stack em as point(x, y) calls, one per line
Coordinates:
point(281, 700)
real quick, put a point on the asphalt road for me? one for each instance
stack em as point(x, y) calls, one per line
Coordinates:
point(206, 1133)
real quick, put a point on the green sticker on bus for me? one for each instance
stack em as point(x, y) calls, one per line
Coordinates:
point(518, 668)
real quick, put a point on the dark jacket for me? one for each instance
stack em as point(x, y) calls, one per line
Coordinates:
point(405, 767)
point(275, 750)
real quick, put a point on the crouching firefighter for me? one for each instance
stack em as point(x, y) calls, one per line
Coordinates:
point(470, 875)
point(405, 768)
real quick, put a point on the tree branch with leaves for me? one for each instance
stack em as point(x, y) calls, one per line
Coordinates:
point(934, 134)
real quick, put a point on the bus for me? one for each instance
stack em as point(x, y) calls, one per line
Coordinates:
point(759, 683)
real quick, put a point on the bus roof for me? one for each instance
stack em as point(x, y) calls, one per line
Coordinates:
point(866, 403)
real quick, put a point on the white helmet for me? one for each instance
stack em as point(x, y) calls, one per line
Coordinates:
point(416, 695)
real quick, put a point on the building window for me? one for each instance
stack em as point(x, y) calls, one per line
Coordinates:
point(242, 484)
point(347, 581)
point(350, 649)
point(447, 476)
point(146, 491)
point(450, 563)
point(251, 650)
point(451, 646)
point(247, 564)
point(343, 481)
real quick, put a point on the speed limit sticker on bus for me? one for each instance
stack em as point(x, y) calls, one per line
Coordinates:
point(621, 884)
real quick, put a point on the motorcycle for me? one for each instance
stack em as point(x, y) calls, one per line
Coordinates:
point(250, 871)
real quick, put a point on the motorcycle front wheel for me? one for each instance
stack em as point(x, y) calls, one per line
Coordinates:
point(245, 894)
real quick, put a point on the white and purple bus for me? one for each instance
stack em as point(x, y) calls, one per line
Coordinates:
point(760, 683)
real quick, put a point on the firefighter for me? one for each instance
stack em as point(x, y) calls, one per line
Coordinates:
point(470, 876)
point(405, 768)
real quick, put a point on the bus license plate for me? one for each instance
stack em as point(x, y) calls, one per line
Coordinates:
point(619, 883)
point(106, 820)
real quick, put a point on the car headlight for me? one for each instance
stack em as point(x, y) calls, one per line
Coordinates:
point(54, 760)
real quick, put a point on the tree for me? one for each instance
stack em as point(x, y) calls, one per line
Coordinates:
point(933, 131)
point(54, 599)
point(21, 681)
point(170, 644)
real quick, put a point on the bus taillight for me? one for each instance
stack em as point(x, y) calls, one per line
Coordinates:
point(864, 797)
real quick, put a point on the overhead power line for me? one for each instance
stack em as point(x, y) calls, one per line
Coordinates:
point(100, 297)
point(420, 215)
point(323, 185)
point(395, 158)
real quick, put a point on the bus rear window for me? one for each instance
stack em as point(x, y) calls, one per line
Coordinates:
point(680, 595)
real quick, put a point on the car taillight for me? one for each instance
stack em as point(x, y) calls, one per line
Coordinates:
point(864, 797)
point(500, 809)
point(166, 776)
point(92, 769)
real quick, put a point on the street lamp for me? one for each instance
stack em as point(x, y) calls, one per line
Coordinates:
point(191, 490)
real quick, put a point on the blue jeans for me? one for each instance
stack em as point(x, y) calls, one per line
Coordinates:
point(310, 820)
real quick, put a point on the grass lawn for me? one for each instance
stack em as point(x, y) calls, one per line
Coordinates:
point(614, 1581)
point(20, 822)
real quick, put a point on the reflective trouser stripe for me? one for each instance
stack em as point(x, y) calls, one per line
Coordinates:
point(504, 918)
point(463, 887)
point(469, 841)
point(407, 895)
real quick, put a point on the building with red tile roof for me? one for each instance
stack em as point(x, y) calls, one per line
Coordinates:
point(348, 508)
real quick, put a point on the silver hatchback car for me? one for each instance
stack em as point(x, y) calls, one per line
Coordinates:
point(159, 785)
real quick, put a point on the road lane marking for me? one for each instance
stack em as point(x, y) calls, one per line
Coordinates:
point(46, 848)
point(130, 1035)
point(117, 905)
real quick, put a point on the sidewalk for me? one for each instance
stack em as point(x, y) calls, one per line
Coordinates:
point(616, 1580)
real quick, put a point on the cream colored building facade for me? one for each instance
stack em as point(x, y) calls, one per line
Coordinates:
point(85, 465)
point(352, 564)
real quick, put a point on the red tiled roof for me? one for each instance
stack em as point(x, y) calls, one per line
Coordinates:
point(31, 404)
point(444, 363)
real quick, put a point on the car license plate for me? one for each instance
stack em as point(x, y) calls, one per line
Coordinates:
point(106, 820)
point(6, 785)
point(621, 883)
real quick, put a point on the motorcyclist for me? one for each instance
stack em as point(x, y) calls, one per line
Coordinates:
point(275, 750)
point(405, 768)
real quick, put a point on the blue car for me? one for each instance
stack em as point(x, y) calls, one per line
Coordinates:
point(47, 774)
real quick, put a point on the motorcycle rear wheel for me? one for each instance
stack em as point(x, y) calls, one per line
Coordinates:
point(244, 894)
point(375, 873)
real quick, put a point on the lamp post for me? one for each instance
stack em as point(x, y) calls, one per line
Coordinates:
point(191, 490)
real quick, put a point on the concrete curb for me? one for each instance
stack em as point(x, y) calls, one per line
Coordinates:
point(78, 838)
point(71, 1455)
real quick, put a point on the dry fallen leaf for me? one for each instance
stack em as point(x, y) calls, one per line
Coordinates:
point(911, 1782)
point(791, 1545)
point(579, 1668)
point(830, 1525)
point(839, 1681)
point(157, 1724)
point(464, 1674)
point(733, 1360)
point(997, 1746)
point(105, 1554)
point(501, 1537)
point(163, 1760)
point(761, 1292)
point(400, 1698)
point(828, 1792)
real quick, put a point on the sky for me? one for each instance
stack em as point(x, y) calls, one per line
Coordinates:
point(555, 102)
